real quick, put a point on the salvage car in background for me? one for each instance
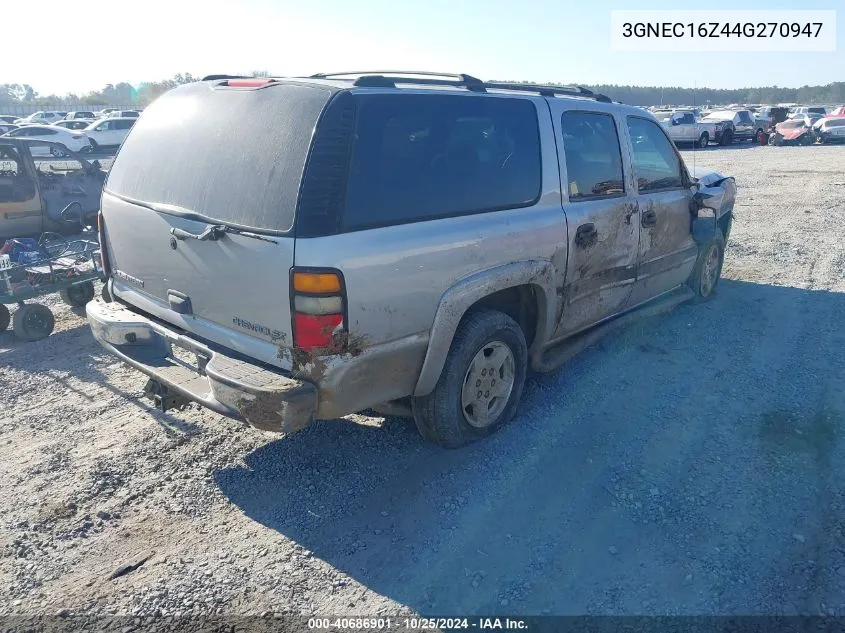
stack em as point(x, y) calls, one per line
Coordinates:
point(74, 124)
point(768, 117)
point(683, 127)
point(62, 139)
point(41, 117)
point(830, 130)
point(792, 132)
point(33, 195)
point(80, 114)
point(108, 132)
point(8, 118)
point(126, 114)
point(733, 125)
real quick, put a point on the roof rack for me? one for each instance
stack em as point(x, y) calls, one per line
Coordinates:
point(217, 77)
point(389, 79)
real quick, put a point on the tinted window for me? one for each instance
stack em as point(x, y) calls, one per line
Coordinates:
point(234, 156)
point(656, 164)
point(686, 118)
point(744, 117)
point(419, 157)
point(593, 157)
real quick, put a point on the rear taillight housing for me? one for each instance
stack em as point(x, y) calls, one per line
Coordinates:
point(318, 306)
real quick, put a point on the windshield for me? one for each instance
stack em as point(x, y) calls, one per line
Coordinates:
point(793, 124)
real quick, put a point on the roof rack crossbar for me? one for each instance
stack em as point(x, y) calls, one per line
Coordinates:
point(389, 79)
point(400, 73)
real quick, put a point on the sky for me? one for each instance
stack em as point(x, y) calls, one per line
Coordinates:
point(538, 40)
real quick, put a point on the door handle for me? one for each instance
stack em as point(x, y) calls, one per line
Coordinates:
point(649, 219)
point(586, 235)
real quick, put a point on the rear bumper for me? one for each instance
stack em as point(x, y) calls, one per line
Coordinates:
point(266, 399)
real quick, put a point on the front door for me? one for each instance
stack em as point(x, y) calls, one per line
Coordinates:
point(667, 252)
point(601, 219)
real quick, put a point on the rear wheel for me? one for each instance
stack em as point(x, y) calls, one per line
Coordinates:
point(727, 137)
point(32, 322)
point(481, 382)
point(703, 140)
point(5, 318)
point(58, 152)
point(78, 295)
point(94, 146)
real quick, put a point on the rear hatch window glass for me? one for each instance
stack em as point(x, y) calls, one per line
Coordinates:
point(231, 155)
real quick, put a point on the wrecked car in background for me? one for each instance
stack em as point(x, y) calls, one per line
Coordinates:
point(420, 270)
point(35, 197)
point(830, 130)
point(792, 132)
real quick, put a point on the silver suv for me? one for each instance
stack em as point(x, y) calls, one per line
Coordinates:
point(283, 250)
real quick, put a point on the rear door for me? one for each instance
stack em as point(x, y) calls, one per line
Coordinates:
point(234, 158)
point(601, 215)
point(20, 203)
point(667, 251)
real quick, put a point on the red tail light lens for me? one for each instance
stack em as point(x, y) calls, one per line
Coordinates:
point(317, 304)
point(315, 330)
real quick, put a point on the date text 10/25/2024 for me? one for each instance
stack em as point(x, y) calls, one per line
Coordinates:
point(417, 624)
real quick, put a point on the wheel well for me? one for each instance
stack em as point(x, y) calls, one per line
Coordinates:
point(518, 302)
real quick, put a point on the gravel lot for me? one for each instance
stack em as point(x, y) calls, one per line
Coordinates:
point(689, 464)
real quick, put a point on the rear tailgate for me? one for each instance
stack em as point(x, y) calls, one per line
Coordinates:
point(206, 155)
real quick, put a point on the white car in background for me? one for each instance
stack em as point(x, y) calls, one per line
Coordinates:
point(74, 140)
point(126, 114)
point(109, 131)
point(41, 117)
point(830, 130)
point(683, 126)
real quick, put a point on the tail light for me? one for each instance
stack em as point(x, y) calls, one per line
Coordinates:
point(318, 301)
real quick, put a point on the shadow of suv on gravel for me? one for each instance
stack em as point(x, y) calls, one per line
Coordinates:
point(311, 247)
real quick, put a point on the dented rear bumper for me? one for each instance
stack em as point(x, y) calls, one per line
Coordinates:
point(268, 400)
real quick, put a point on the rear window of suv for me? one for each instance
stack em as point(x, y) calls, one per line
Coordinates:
point(418, 157)
point(230, 155)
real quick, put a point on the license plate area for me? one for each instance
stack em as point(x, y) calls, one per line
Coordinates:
point(188, 359)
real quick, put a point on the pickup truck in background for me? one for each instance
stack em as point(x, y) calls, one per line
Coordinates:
point(682, 126)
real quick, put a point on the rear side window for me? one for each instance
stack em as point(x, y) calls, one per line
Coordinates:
point(593, 157)
point(656, 163)
point(418, 157)
point(233, 156)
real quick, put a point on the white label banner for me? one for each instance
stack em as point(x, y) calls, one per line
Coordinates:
point(759, 30)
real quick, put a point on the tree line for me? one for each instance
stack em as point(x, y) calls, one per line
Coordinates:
point(125, 93)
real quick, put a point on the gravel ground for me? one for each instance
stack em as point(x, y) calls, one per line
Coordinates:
point(689, 464)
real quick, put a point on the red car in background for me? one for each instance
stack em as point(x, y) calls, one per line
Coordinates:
point(792, 132)
point(837, 112)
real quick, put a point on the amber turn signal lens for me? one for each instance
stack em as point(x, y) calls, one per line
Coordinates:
point(315, 283)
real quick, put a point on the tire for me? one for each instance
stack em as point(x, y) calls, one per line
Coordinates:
point(78, 295)
point(708, 268)
point(442, 417)
point(32, 322)
point(57, 152)
point(703, 140)
point(94, 146)
point(727, 137)
point(5, 318)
